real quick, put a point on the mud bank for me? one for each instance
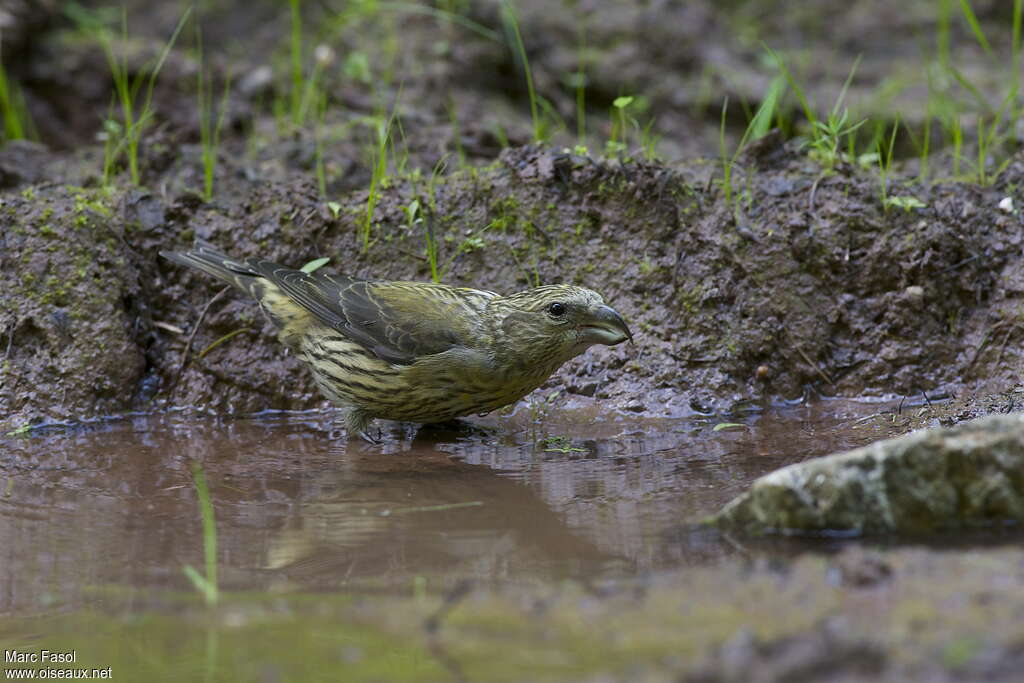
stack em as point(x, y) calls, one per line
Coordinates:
point(795, 279)
point(811, 286)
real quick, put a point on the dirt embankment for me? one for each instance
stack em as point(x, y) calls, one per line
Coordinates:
point(802, 283)
point(811, 283)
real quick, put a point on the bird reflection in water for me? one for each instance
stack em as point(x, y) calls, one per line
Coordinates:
point(418, 512)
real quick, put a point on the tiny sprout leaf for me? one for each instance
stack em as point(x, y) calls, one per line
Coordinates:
point(728, 425)
point(335, 208)
point(623, 102)
point(907, 203)
point(314, 264)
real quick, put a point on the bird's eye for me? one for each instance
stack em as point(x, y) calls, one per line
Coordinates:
point(557, 309)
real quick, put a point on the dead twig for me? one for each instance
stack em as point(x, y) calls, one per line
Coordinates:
point(10, 340)
point(807, 359)
point(192, 336)
point(410, 254)
point(169, 327)
point(814, 193)
point(959, 264)
point(989, 334)
point(1002, 347)
point(984, 342)
point(866, 418)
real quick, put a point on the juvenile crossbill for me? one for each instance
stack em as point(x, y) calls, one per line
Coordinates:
point(416, 351)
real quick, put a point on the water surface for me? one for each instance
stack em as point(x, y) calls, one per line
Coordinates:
point(578, 495)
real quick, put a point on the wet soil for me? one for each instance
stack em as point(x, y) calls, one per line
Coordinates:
point(834, 296)
point(803, 285)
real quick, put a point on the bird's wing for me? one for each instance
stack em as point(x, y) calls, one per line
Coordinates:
point(397, 321)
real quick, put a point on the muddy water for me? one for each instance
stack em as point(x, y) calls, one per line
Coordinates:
point(581, 496)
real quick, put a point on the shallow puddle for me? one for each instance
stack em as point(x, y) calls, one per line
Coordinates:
point(543, 546)
point(298, 509)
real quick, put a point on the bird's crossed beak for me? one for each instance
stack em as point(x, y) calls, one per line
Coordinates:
point(606, 326)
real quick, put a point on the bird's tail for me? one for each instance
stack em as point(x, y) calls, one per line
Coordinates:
point(205, 257)
point(290, 318)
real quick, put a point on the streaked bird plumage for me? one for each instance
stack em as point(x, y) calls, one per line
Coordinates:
point(415, 351)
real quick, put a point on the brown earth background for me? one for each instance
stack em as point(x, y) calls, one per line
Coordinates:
point(796, 281)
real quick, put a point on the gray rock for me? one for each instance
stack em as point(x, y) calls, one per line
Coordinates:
point(965, 476)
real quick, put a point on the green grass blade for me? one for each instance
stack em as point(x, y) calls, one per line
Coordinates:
point(1018, 8)
point(972, 20)
point(727, 160)
point(380, 167)
point(797, 90)
point(512, 22)
point(581, 84)
point(943, 32)
point(296, 61)
point(846, 85)
point(762, 121)
point(971, 88)
point(218, 342)
point(453, 17)
point(13, 130)
point(208, 584)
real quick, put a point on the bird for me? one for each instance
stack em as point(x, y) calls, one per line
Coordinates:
point(419, 352)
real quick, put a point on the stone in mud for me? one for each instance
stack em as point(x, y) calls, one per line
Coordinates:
point(967, 476)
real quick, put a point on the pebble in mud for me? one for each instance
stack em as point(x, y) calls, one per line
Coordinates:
point(584, 389)
point(914, 292)
point(914, 295)
point(635, 406)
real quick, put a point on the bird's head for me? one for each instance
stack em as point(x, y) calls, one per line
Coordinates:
point(561, 321)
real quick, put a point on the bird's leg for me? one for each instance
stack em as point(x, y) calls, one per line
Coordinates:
point(357, 423)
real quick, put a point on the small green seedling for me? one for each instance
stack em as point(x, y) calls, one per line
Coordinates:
point(314, 264)
point(905, 202)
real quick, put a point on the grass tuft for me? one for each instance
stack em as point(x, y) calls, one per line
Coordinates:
point(382, 131)
point(124, 135)
point(210, 125)
point(17, 123)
